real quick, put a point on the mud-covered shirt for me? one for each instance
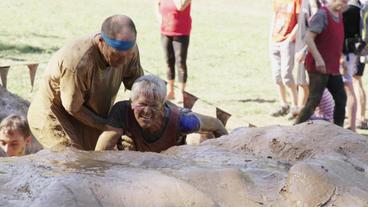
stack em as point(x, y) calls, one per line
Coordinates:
point(78, 75)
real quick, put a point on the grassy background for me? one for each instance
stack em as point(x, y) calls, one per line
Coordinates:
point(228, 54)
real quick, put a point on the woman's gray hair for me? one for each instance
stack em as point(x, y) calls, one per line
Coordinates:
point(149, 85)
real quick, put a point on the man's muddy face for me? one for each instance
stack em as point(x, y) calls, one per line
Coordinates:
point(147, 111)
point(116, 58)
point(13, 143)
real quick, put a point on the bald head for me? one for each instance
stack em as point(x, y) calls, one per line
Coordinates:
point(119, 27)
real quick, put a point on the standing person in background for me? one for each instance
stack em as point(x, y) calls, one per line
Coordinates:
point(349, 65)
point(361, 95)
point(308, 9)
point(176, 25)
point(362, 122)
point(282, 49)
point(324, 39)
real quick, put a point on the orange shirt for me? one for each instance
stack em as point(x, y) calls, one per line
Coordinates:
point(286, 17)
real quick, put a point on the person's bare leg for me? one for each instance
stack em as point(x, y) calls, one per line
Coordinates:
point(284, 108)
point(351, 106)
point(282, 94)
point(303, 94)
point(182, 89)
point(362, 98)
point(170, 90)
point(292, 88)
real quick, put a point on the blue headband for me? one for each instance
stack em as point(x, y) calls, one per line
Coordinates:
point(118, 44)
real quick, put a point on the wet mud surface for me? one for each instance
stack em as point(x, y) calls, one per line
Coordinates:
point(270, 166)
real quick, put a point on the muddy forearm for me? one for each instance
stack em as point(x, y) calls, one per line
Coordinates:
point(89, 118)
point(211, 124)
point(107, 140)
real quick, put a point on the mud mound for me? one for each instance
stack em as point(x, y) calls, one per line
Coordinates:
point(294, 143)
point(315, 164)
point(11, 104)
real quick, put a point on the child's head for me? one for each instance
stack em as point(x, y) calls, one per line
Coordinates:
point(14, 135)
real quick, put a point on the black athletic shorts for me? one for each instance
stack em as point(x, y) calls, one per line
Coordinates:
point(360, 69)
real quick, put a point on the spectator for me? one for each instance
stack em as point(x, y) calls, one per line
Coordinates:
point(176, 25)
point(308, 9)
point(324, 39)
point(282, 46)
point(362, 98)
point(351, 38)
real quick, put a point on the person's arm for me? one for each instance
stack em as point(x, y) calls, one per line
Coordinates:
point(115, 127)
point(297, 11)
point(313, 7)
point(292, 34)
point(211, 124)
point(317, 24)
point(271, 28)
point(181, 4)
point(89, 118)
point(312, 48)
point(72, 89)
point(191, 122)
point(301, 54)
point(134, 70)
point(343, 65)
point(108, 139)
point(158, 12)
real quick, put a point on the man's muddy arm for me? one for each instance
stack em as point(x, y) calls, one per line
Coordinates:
point(211, 124)
point(108, 139)
point(89, 118)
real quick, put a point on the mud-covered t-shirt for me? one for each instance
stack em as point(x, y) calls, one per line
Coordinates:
point(188, 121)
point(78, 75)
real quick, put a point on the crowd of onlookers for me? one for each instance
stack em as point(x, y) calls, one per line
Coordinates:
point(322, 41)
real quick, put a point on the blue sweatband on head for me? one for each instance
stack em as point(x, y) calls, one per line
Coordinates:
point(120, 45)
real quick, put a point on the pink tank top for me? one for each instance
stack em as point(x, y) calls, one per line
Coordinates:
point(174, 22)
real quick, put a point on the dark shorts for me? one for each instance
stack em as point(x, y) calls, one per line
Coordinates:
point(360, 69)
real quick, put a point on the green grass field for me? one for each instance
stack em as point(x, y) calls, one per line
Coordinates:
point(228, 54)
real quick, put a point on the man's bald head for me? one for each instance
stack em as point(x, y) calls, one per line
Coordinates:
point(118, 27)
